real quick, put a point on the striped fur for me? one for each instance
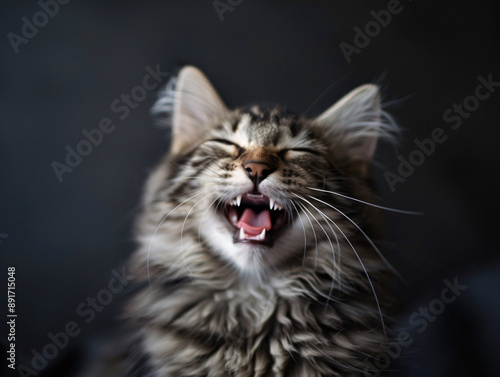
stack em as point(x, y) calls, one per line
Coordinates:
point(311, 302)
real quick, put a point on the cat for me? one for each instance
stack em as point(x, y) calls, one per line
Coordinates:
point(255, 240)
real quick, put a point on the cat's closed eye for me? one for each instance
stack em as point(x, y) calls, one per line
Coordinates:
point(306, 150)
point(287, 153)
point(224, 141)
point(239, 149)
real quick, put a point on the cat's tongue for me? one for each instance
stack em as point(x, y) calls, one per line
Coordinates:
point(253, 223)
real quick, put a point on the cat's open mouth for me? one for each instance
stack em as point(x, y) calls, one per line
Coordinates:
point(255, 218)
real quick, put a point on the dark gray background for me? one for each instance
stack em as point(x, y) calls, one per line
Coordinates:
point(65, 238)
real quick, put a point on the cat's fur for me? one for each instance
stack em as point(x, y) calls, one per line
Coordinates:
point(307, 302)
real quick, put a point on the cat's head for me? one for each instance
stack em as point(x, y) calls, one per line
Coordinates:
point(257, 186)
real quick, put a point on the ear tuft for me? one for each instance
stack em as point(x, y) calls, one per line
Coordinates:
point(163, 109)
point(356, 122)
point(191, 106)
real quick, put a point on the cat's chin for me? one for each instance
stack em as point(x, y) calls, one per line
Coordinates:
point(254, 219)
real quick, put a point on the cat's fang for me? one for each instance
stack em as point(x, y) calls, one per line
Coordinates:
point(238, 200)
point(261, 236)
point(271, 203)
point(258, 237)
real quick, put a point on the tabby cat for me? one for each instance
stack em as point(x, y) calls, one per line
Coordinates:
point(256, 248)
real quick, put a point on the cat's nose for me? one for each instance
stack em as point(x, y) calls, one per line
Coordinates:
point(257, 170)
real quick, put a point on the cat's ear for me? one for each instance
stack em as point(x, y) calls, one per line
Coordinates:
point(192, 107)
point(354, 124)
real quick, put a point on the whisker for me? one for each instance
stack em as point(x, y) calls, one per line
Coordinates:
point(205, 213)
point(189, 213)
point(144, 203)
point(386, 262)
point(323, 229)
point(367, 203)
point(336, 266)
point(305, 237)
point(362, 266)
point(158, 227)
point(315, 241)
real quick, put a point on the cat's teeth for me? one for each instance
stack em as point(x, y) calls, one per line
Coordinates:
point(271, 203)
point(238, 200)
point(274, 206)
point(234, 217)
point(261, 236)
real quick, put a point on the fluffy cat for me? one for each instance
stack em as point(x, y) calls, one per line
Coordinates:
point(255, 241)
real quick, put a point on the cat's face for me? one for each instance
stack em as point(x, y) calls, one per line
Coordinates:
point(252, 170)
point(253, 180)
